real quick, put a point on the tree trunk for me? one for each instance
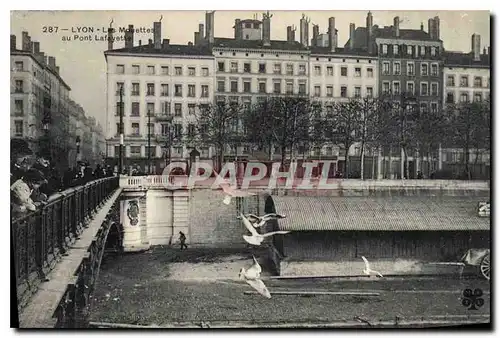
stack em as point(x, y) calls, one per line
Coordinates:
point(346, 166)
point(390, 162)
point(362, 158)
point(402, 160)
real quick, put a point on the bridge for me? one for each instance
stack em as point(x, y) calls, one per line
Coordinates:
point(58, 249)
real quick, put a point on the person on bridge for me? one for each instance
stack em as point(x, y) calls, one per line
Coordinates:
point(182, 239)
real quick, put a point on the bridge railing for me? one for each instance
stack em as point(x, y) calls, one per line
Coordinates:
point(153, 181)
point(40, 237)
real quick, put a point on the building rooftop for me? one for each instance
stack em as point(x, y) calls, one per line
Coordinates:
point(466, 60)
point(339, 51)
point(167, 50)
point(257, 44)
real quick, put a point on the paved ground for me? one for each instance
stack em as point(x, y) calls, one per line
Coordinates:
point(147, 289)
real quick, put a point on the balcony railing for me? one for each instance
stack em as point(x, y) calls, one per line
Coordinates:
point(39, 237)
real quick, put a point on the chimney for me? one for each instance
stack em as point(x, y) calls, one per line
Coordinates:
point(304, 31)
point(476, 47)
point(331, 34)
point(157, 34)
point(288, 34)
point(44, 59)
point(484, 50)
point(369, 32)
point(430, 28)
point(52, 62)
point(197, 38)
point(396, 26)
point(237, 29)
point(314, 41)
point(165, 43)
point(12, 42)
point(41, 57)
point(422, 26)
point(129, 37)
point(209, 22)
point(57, 69)
point(110, 38)
point(352, 29)
point(436, 28)
point(201, 30)
point(190, 43)
point(140, 42)
point(36, 47)
point(26, 42)
point(266, 29)
point(150, 42)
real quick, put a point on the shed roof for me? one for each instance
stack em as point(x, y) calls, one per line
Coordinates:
point(402, 213)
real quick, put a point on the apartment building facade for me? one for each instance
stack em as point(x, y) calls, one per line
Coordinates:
point(164, 81)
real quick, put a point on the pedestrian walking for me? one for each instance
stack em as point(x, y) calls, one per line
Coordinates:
point(182, 239)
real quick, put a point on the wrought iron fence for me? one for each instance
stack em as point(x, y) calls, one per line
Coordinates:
point(40, 237)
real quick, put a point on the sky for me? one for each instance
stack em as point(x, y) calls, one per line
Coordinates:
point(83, 66)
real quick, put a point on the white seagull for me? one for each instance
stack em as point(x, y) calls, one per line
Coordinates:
point(258, 222)
point(256, 238)
point(252, 277)
point(230, 192)
point(368, 271)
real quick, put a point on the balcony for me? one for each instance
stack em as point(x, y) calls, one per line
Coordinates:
point(164, 117)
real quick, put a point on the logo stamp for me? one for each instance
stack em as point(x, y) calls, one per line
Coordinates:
point(473, 299)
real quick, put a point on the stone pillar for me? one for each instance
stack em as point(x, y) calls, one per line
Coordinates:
point(440, 158)
point(380, 162)
point(181, 213)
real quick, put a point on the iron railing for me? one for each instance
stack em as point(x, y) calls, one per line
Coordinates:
point(40, 237)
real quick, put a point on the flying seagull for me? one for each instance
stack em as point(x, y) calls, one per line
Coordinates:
point(256, 238)
point(252, 277)
point(230, 193)
point(368, 271)
point(258, 222)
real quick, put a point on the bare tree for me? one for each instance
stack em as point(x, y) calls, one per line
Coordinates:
point(258, 123)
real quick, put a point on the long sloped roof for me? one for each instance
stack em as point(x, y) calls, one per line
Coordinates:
point(401, 213)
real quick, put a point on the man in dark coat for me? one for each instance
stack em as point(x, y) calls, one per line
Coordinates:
point(182, 239)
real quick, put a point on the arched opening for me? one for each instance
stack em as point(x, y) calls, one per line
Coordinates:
point(114, 241)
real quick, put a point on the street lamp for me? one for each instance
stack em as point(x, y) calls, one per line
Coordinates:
point(77, 147)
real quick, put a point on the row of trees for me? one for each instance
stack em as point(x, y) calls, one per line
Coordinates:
point(293, 123)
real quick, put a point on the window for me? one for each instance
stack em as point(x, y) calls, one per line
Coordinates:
point(410, 68)
point(178, 131)
point(135, 151)
point(191, 91)
point(221, 86)
point(220, 66)
point(369, 92)
point(151, 128)
point(120, 69)
point(343, 71)
point(422, 50)
point(397, 68)
point(396, 88)
point(204, 71)
point(234, 67)
point(329, 91)
point(357, 72)
point(434, 107)
point(386, 88)
point(150, 89)
point(464, 97)
point(136, 69)
point(384, 49)
point(343, 91)
point(433, 51)
point(424, 69)
point(317, 91)
point(19, 86)
point(395, 49)
point(302, 88)
point(289, 87)
point(191, 108)
point(329, 71)
point(277, 68)
point(151, 70)
point(410, 87)
point(317, 70)
point(178, 71)
point(164, 89)
point(150, 108)
point(117, 129)
point(135, 109)
point(178, 90)
point(135, 129)
point(165, 108)
point(151, 150)
point(20, 67)
point(118, 110)
point(478, 97)
point(450, 98)
point(464, 81)
point(246, 86)
point(289, 69)
point(191, 71)
point(191, 130)
point(164, 129)
point(18, 128)
point(369, 72)
point(434, 89)
point(262, 67)
point(234, 86)
point(423, 107)
point(450, 81)
point(409, 50)
point(204, 91)
point(246, 67)
point(357, 92)
point(135, 89)
point(434, 69)
point(478, 82)
point(386, 68)
point(164, 70)
point(302, 69)
point(119, 87)
point(178, 150)
point(178, 109)
point(424, 90)
point(277, 87)
point(262, 87)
